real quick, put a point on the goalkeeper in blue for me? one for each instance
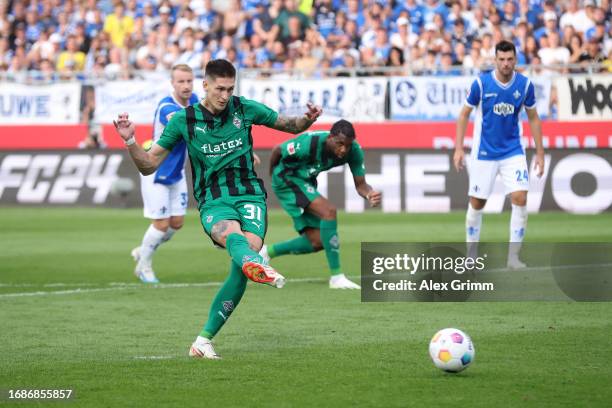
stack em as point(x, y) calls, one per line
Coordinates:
point(294, 166)
point(498, 97)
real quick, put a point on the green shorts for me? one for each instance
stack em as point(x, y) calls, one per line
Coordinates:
point(294, 195)
point(249, 210)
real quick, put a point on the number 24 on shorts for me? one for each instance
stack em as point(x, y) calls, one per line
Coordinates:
point(521, 175)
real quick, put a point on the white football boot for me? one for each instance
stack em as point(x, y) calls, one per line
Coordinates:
point(342, 282)
point(264, 254)
point(203, 348)
point(136, 254)
point(145, 273)
point(515, 263)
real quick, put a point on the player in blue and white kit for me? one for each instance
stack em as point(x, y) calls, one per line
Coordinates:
point(498, 97)
point(164, 193)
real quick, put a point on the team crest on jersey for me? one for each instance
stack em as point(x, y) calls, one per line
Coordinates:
point(237, 122)
point(516, 94)
point(209, 219)
point(228, 305)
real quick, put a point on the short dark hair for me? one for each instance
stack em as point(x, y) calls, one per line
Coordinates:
point(219, 68)
point(505, 46)
point(343, 127)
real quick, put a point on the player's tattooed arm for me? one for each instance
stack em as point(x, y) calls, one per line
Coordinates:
point(294, 124)
point(146, 161)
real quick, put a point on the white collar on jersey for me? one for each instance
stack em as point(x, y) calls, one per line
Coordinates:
point(506, 85)
point(177, 102)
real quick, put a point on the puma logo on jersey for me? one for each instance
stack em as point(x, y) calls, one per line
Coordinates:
point(203, 130)
point(257, 224)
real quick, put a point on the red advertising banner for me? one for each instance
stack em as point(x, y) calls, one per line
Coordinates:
point(407, 135)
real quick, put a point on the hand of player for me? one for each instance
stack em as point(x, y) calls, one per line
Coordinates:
point(459, 159)
point(374, 198)
point(124, 127)
point(539, 164)
point(313, 112)
point(256, 160)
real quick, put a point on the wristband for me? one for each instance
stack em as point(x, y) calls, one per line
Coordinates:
point(130, 141)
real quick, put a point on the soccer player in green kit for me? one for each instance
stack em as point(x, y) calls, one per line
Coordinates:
point(294, 166)
point(231, 199)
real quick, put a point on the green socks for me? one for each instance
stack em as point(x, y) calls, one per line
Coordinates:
point(238, 247)
point(225, 301)
point(299, 245)
point(228, 297)
point(331, 244)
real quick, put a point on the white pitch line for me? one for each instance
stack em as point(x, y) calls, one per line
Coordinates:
point(124, 286)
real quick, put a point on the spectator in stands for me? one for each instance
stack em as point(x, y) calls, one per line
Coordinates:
point(550, 26)
point(554, 54)
point(479, 25)
point(148, 56)
point(234, 19)
point(210, 21)
point(118, 25)
point(263, 21)
point(527, 13)
point(291, 22)
point(324, 16)
point(404, 38)
point(190, 55)
point(187, 19)
point(577, 17)
point(576, 48)
point(71, 60)
point(411, 10)
point(306, 63)
point(592, 54)
point(395, 59)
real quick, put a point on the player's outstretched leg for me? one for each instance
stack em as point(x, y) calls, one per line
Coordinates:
point(252, 264)
point(518, 225)
point(225, 302)
point(295, 246)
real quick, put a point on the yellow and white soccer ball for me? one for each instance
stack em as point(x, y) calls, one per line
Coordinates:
point(451, 350)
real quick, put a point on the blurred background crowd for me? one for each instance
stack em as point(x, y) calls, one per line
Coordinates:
point(48, 40)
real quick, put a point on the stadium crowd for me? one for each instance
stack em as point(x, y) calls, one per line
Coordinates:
point(52, 39)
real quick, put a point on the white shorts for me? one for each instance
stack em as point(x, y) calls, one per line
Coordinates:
point(161, 200)
point(483, 173)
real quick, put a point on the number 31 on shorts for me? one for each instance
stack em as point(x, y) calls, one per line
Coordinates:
point(253, 212)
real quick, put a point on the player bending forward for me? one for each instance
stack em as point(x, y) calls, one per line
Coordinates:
point(294, 167)
point(498, 97)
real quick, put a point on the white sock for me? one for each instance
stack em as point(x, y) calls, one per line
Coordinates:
point(518, 225)
point(202, 340)
point(151, 240)
point(473, 223)
point(168, 234)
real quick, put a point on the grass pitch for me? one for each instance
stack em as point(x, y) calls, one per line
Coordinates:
point(72, 315)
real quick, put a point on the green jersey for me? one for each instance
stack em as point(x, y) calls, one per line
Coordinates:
point(305, 157)
point(220, 147)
